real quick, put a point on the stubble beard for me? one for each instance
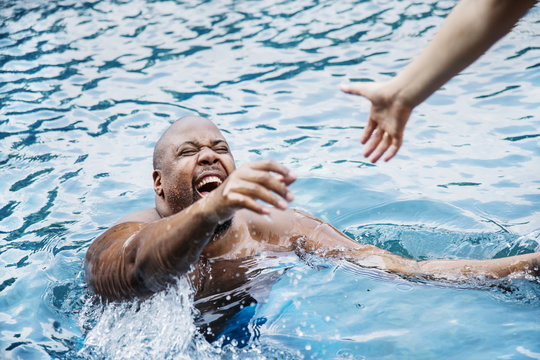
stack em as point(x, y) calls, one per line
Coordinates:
point(221, 227)
point(184, 197)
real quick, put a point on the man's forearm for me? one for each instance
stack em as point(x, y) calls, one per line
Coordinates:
point(471, 28)
point(138, 259)
point(490, 268)
point(445, 269)
point(325, 240)
point(170, 246)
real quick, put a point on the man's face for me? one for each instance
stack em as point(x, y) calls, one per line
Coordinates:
point(197, 160)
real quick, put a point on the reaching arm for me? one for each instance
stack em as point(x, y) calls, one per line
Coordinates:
point(488, 268)
point(138, 259)
point(325, 240)
point(471, 28)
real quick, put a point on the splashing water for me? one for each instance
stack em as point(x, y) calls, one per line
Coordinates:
point(161, 327)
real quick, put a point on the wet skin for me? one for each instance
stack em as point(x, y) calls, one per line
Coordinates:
point(211, 219)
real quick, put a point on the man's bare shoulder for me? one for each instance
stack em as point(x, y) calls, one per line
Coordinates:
point(121, 231)
point(143, 216)
point(289, 221)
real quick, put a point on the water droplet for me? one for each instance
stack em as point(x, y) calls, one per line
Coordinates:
point(404, 287)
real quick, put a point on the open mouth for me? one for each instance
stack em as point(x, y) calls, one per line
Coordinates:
point(207, 184)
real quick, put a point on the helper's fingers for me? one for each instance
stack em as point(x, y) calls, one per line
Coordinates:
point(373, 143)
point(362, 89)
point(394, 148)
point(368, 130)
point(381, 148)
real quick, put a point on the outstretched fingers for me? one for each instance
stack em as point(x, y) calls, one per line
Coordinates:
point(259, 192)
point(272, 176)
point(364, 89)
point(383, 145)
point(368, 131)
point(393, 149)
point(273, 166)
point(388, 115)
point(275, 183)
point(264, 180)
point(373, 143)
point(245, 202)
point(283, 174)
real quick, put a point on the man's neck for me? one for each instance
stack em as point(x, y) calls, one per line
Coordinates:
point(222, 228)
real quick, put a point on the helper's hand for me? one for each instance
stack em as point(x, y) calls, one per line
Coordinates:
point(387, 118)
point(264, 180)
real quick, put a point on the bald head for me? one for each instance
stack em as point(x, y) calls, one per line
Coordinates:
point(168, 138)
point(190, 148)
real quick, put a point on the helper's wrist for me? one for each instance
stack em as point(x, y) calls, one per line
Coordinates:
point(401, 93)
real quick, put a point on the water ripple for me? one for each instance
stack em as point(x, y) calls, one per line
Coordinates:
point(87, 87)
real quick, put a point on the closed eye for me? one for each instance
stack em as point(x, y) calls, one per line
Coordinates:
point(222, 150)
point(187, 152)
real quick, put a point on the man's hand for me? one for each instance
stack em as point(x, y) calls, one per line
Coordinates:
point(387, 118)
point(264, 180)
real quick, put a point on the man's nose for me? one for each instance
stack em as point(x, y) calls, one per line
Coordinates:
point(208, 156)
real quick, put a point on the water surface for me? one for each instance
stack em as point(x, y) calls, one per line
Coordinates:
point(86, 88)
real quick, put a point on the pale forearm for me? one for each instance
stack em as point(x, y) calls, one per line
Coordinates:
point(471, 28)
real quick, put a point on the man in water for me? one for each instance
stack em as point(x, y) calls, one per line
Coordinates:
point(209, 220)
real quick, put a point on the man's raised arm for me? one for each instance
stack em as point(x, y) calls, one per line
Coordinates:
point(136, 259)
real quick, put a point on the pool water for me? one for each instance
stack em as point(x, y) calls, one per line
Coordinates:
point(86, 88)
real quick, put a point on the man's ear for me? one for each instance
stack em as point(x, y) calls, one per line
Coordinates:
point(158, 188)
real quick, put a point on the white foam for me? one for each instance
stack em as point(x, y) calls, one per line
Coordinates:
point(161, 327)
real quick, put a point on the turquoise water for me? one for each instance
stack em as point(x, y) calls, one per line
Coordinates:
point(87, 87)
